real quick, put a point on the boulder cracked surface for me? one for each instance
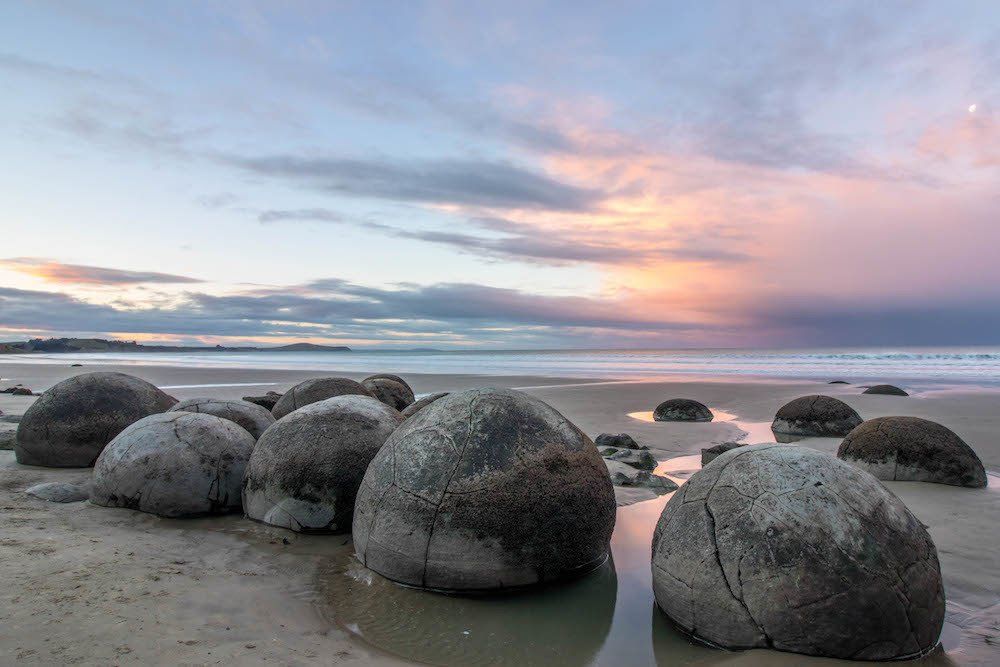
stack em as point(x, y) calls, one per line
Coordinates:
point(316, 389)
point(788, 548)
point(815, 415)
point(254, 418)
point(912, 449)
point(305, 471)
point(71, 423)
point(419, 405)
point(682, 410)
point(482, 490)
point(177, 464)
point(394, 393)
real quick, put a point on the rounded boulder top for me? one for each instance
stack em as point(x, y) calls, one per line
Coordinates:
point(305, 471)
point(771, 528)
point(71, 423)
point(682, 410)
point(316, 389)
point(417, 406)
point(389, 376)
point(885, 390)
point(176, 464)
point(253, 418)
point(393, 393)
point(815, 415)
point(912, 449)
point(482, 490)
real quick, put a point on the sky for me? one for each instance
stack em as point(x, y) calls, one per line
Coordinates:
point(501, 175)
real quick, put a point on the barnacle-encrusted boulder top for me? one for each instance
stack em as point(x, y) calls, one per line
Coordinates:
point(785, 547)
point(682, 410)
point(250, 416)
point(70, 424)
point(482, 490)
point(316, 389)
point(912, 449)
point(815, 415)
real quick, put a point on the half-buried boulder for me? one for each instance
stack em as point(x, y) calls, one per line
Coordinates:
point(60, 492)
point(395, 394)
point(786, 547)
point(177, 464)
point(253, 418)
point(305, 471)
point(483, 490)
point(682, 410)
point(70, 424)
point(316, 389)
point(885, 390)
point(914, 450)
point(821, 416)
point(417, 406)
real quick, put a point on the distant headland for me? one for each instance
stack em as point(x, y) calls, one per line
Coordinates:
point(57, 345)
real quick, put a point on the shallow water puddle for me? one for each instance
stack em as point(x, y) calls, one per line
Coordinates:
point(754, 432)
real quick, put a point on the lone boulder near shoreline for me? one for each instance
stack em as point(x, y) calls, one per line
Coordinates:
point(788, 548)
point(483, 490)
point(815, 415)
point(682, 410)
point(254, 418)
point(316, 389)
point(913, 450)
point(885, 390)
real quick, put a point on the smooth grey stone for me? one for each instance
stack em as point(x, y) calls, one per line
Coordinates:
point(70, 424)
point(254, 418)
point(914, 450)
point(682, 410)
point(815, 415)
point(784, 547)
point(60, 492)
point(625, 475)
point(709, 454)
point(176, 464)
point(885, 390)
point(305, 471)
point(637, 458)
point(395, 394)
point(316, 389)
point(619, 440)
point(484, 489)
point(422, 403)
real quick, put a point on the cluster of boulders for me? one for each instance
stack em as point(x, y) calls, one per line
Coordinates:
point(17, 390)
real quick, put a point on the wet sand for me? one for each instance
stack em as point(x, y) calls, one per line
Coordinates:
point(93, 585)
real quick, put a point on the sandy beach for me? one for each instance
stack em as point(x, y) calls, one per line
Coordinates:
point(91, 585)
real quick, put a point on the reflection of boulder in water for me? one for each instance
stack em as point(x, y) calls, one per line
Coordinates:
point(564, 624)
point(674, 648)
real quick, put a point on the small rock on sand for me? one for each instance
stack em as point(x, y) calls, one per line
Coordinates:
point(637, 458)
point(625, 475)
point(60, 492)
point(619, 441)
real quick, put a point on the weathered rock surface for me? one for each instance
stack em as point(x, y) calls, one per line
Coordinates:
point(176, 464)
point(390, 376)
point(69, 425)
point(912, 449)
point(267, 401)
point(785, 547)
point(637, 458)
point(815, 415)
point(60, 492)
point(305, 471)
point(253, 418)
point(625, 475)
point(419, 405)
point(682, 410)
point(885, 390)
point(618, 441)
point(8, 435)
point(482, 490)
point(395, 394)
point(316, 389)
point(709, 454)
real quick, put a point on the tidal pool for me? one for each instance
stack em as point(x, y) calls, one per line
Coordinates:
point(753, 432)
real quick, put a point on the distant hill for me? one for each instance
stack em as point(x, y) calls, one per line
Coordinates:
point(50, 345)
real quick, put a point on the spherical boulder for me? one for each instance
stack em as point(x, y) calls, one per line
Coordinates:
point(316, 389)
point(682, 410)
point(885, 390)
point(482, 490)
point(69, 425)
point(253, 418)
point(417, 406)
point(815, 415)
point(305, 471)
point(912, 449)
point(786, 547)
point(176, 464)
point(395, 394)
point(389, 376)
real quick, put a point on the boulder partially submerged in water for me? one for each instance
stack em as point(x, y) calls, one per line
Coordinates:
point(912, 449)
point(305, 471)
point(253, 418)
point(316, 389)
point(394, 393)
point(419, 405)
point(815, 415)
point(70, 424)
point(885, 390)
point(788, 548)
point(482, 490)
point(177, 464)
point(682, 410)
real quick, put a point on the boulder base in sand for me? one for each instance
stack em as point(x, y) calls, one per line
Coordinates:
point(682, 410)
point(815, 415)
point(885, 390)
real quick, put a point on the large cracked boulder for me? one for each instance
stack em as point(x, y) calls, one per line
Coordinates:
point(682, 410)
point(70, 424)
point(253, 418)
point(392, 392)
point(417, 406)
point(483, 490)
point(316, 389)
point(788, 548)
point(176, 464)
point(815, 415)
point(305, 471)
point(885, 390)
point(914, 450)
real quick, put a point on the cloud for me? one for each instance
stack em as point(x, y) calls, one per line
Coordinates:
point(78, 274)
